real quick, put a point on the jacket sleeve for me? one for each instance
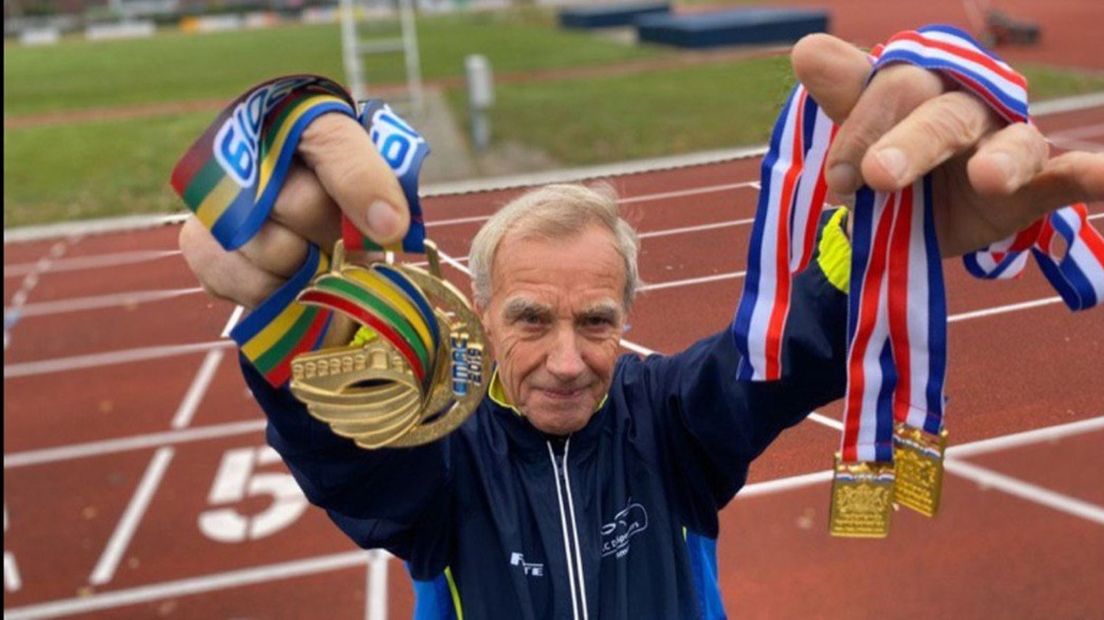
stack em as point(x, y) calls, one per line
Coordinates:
point(394, 499)
point(710, 426)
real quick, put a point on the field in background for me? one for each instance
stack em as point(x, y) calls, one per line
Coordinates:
point(575, 98)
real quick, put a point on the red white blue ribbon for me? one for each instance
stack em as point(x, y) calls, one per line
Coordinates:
point(791, 199)
point(1074, 266)
point(897, 318)
point(897, 306)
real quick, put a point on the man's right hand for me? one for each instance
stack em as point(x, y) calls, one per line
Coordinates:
point(337, 171)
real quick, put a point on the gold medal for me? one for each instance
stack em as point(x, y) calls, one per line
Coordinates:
point(372, 393)
point(862, 497)
point(919, 459)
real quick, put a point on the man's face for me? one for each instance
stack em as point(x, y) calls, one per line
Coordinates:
point(555, 320)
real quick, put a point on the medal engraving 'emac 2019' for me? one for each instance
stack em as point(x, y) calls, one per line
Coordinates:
point(416, 378)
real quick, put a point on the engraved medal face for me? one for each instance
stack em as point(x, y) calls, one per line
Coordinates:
point(421, 375)
point(862, 500)
point(461, 383)
point(919, 459)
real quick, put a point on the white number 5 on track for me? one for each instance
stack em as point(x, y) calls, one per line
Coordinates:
point(235, 481)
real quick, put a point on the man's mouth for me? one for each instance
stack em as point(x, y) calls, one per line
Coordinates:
point(562, 393)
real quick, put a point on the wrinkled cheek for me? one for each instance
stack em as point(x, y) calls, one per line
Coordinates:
point(511, 367)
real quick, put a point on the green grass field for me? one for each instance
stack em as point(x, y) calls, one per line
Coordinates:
point(175, 66)
point(96, 169)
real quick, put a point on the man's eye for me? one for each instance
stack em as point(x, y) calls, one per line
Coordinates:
point(531, 318)
point(597, 321)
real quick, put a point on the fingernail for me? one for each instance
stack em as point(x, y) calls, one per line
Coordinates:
point(383, 221)
point(894, 162)
point(843, 178)
point(1006, 167)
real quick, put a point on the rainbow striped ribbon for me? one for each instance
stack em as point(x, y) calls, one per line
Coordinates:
point(231, 175)
point(280, 328)
point(896, 358)
point(404, 149)
point(230, 178)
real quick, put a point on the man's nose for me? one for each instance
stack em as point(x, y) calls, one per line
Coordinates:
point(565, 360)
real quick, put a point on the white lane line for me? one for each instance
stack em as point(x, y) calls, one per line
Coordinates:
point(127, 444)
point(636, 348)
point(197, 389)
point(1096, 216)
point(231, 322)
point(95, 302)
point(824, 420)
point(788, 483)
point(692, 229)
point(653, 234)
point(12, 581)
point(1078, 145)
point(376, 600)
point(987, 478)
point(186, 587)
point(1008, 484)
point(1026, 438)
point(276, 572)
point(124, 531)
point(131, 355)
point(994, 444)
point(19, 298)
point(1026, 305)
point(1085, 131)
point(734, 275)
point(93, 360)
point(94, 261)
point(697, 191)
point(1067, 104)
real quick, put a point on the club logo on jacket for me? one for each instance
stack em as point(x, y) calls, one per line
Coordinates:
point(530, 569)
point(626, 524)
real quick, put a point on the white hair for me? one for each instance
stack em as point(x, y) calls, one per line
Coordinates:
point(555, 212)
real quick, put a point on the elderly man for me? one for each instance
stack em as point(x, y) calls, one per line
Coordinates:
point(587, 484)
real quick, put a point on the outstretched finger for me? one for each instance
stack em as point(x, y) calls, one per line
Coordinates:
point(225, 274)
point(1067, 179)
point(938, 129)
point(352, 172)
point(1008, 159)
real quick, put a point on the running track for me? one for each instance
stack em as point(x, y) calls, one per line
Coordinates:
point(136, 483)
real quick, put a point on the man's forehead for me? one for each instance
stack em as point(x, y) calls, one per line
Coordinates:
point(534, 301)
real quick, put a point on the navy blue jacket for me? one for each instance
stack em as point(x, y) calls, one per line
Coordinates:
point(617, 521)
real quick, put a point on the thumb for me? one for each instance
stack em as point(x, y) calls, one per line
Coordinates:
point(352, 172)
point(833, 71)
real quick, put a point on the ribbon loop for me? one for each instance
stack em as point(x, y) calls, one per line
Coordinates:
point(230, 178)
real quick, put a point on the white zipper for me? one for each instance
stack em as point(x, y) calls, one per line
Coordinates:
point(574, 560)
point(575, 532)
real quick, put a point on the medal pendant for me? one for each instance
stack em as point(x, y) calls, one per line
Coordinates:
point(919, 459)
point(421, 375)
point(862, 497)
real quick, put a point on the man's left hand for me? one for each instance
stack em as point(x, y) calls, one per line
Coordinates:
point(990, 179)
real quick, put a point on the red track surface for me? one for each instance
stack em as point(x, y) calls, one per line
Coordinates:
point(989, 554)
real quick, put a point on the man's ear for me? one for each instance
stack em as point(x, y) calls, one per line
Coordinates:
point(484, 317)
